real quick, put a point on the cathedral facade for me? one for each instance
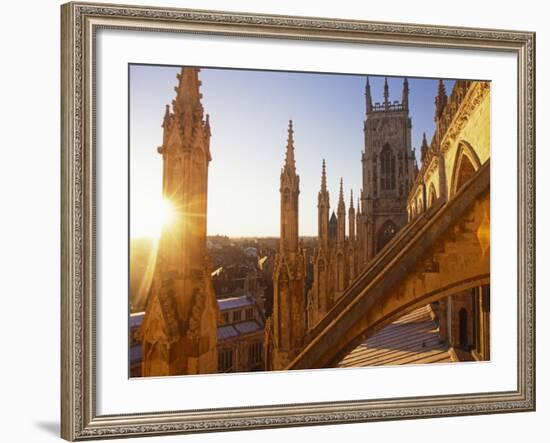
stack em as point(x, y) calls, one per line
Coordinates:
point(179, 327)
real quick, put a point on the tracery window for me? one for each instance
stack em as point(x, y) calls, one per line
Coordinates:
point(387, 169)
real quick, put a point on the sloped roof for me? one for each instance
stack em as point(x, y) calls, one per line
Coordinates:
point(414, 338)
point(234, 302)
point(226, 332)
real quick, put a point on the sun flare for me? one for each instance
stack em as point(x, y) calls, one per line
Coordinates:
point(149, 219)
point(167, 213)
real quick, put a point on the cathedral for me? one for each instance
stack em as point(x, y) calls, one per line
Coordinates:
point(182, 330)
point(179, 327)
point(388, 169)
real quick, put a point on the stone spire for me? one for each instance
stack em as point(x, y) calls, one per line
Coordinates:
point(386, 93)
point(440, 100)
point(290, 162)
point(351, 216)
point(323, 206)
point(188, 93)
point(341, 203)
point(177, 297)
point(368, 96)
point(166, 123)
point(405, 97)
point(324, 178)
point(424, 147)
point(341, 215)
point(289, 294)
point(290, 189)
point(188, 112)
point(207, 125)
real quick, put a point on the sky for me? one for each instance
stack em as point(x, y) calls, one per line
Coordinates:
point(249, 113)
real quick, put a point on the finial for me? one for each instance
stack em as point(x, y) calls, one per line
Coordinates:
point(351, 199)
point(341, 197)
point(440, 100)
point(405, 98)
point(166, 120)
point(324, 177)
point(441, 88)
point(424, 147)
point(386, 93)
point(368, 96)
point(188, 95)
point(207, 124)
point(289, 158)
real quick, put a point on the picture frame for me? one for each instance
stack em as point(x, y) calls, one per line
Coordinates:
point(79, 400)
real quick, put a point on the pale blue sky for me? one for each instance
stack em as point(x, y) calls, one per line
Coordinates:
point(249, 113)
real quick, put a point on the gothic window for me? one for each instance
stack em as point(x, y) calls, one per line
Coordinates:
point(387, 169)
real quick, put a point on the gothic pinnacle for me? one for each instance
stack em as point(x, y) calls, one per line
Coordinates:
point(368, 96)
point(351, 199)
point(341, 204)
point(405, 98)
point(289, 158)
point(441, 89)
point(166, 120)
point(441, 99)
point(188, 93)
point(423, 147)
point(324, 178)
point(386, 93)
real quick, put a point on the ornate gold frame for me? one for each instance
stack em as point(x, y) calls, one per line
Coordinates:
point(79, 420)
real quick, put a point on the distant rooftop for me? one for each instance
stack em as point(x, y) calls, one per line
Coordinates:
point(234, 302)
point(136, 319)
point(226, 332)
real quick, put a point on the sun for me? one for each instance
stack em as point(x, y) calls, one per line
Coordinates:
point(150, 216)
point(167, 213)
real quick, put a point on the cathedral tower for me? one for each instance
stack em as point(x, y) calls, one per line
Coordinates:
point(388, 171)
point(289, 301)
point(179, 328)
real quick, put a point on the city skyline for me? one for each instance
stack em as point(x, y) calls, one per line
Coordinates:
point(249, 113)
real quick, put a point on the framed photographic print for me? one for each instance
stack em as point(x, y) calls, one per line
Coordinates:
point(279, 221)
